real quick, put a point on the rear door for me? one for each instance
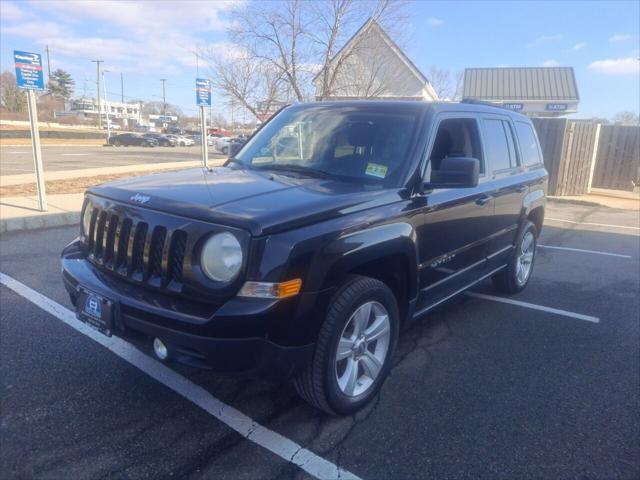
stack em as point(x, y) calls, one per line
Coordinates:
point(505, 179)
point(456, 226)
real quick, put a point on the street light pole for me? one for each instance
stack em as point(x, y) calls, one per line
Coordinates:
point(106, 104)
point(98, 62)
point(164, 101)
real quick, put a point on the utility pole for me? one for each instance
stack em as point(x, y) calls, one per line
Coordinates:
point(164, 101)
point(121, 87)
point(48, 63)
point(106, 104)
point(98, 62)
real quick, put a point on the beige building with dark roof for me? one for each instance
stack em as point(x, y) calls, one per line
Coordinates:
point(536, 91)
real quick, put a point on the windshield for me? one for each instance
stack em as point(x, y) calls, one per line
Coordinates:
point(366, 145)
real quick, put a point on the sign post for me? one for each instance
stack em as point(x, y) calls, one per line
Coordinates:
point(29, 76)
point(203, 100)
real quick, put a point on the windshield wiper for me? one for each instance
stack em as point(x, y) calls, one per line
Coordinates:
point(289, 167)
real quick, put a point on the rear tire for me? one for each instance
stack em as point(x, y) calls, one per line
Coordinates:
point(352, 357)
point(116, 143)
point(515, 277)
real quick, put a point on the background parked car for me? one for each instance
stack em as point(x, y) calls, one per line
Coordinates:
point(173, 130)
point(197, 140)
point(239, 141)
point(181, 140)
point(221, 142)
point(133, 139)
point(163, 140)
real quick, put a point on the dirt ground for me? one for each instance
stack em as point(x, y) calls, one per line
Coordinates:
point(72, 185)
point(53, 141)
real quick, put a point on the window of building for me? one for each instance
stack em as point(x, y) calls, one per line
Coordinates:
point(456, 137)
point(496, 145)
point(528, 144)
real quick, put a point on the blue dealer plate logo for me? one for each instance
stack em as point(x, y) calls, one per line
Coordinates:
point(92, 307)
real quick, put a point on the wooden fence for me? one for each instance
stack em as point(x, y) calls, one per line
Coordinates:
point(617, 164)
point(567, 147)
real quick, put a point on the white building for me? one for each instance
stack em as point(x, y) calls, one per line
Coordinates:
point(371, 65)
point(117, 112)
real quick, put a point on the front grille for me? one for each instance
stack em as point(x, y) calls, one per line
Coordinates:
point(131, 248)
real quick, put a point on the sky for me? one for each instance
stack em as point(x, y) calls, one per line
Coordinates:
point(150, 40)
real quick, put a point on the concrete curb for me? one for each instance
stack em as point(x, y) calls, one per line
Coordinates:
point(34, 222)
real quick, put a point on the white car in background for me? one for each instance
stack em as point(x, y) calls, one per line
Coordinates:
point(181, 141)
point(221, 142)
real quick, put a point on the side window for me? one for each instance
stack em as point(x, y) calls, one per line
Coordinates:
point(528, 144)
point(496, 145)
point(456, 137)
point(515, 161)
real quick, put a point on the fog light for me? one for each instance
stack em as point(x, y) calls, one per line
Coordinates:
point(160, 349)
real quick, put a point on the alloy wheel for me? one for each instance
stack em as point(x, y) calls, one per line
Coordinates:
point(362, 348)
point(525, 258)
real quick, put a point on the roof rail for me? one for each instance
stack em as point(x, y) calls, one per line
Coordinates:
point(488, 104)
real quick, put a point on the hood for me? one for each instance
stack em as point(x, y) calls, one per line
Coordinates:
point(258, 201)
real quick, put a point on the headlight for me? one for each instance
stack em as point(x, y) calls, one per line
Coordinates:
point(86, 219)
point(221, 257)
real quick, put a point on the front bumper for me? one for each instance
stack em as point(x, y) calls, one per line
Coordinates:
point(230, 338)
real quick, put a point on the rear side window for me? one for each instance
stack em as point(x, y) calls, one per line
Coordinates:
point(528, 144)
point(499, 145)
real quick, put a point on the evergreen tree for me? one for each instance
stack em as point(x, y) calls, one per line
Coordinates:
point(61, 84)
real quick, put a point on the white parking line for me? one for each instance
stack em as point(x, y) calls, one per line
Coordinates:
point(580, 250)
point(590, 223)
point(533, 306)
point(15, 153)
point(274, 442)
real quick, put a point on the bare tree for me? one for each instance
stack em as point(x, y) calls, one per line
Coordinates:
point(334, 21)
point(447, 86)
point(11, 97)
point(626, 118)
point(273, 33)
point(246, 80)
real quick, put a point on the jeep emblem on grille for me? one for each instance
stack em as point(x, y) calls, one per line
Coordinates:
point(139, 198)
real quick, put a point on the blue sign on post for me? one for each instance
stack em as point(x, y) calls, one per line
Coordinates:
point(29, 72)
point(203, 92)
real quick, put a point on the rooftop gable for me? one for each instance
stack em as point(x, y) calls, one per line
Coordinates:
point(372, 25)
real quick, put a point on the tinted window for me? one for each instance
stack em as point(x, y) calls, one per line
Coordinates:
point(515, 162)
point(456, 137)
point(528, 144)
point(496, 145)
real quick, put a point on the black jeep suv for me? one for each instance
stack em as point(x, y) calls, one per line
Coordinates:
point(334, 226)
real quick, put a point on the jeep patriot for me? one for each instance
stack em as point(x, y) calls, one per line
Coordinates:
point(334, 227)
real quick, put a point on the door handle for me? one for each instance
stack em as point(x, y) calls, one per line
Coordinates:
point(482, 201)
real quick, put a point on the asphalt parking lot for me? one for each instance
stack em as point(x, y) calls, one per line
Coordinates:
point(19, 160)
point(480, 388)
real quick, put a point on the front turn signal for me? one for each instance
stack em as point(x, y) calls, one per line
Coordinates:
point(286, 289)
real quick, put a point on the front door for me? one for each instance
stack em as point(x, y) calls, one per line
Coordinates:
point(456, 224)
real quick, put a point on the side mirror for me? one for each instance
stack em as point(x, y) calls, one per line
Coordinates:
point(455, 172)
point(234, 148)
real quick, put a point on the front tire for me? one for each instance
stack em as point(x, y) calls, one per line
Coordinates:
point(353, 353)
point(515, 277)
